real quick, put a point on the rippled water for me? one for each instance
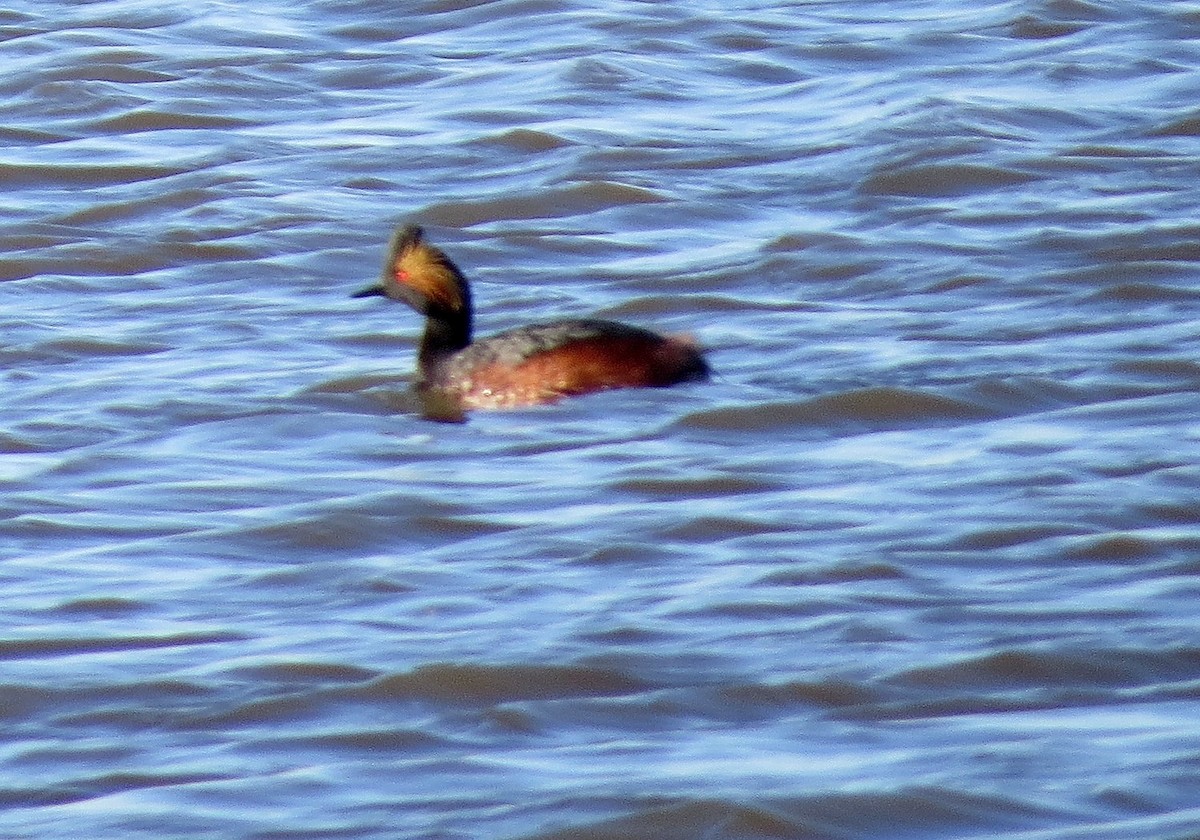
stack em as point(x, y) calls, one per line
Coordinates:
point(923, 561)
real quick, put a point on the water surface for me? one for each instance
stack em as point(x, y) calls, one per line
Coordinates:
point(922, 561)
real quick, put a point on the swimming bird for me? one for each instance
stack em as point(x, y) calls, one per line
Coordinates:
point(533, 365)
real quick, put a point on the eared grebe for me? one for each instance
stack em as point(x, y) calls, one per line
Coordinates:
point(541, 363)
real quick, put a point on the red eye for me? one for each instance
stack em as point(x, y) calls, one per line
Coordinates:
point(401, 275)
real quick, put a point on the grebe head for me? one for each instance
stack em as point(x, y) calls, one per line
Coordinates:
point(422, 276)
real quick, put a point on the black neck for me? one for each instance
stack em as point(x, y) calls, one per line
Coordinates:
point(443, 336)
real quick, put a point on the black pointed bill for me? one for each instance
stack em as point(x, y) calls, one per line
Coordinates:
point(370, 291)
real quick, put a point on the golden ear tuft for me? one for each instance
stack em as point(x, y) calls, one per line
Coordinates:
point(425, 269)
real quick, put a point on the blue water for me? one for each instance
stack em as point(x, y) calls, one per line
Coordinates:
point(922, 561)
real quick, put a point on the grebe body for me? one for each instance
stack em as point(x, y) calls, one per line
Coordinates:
point(533, 365)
